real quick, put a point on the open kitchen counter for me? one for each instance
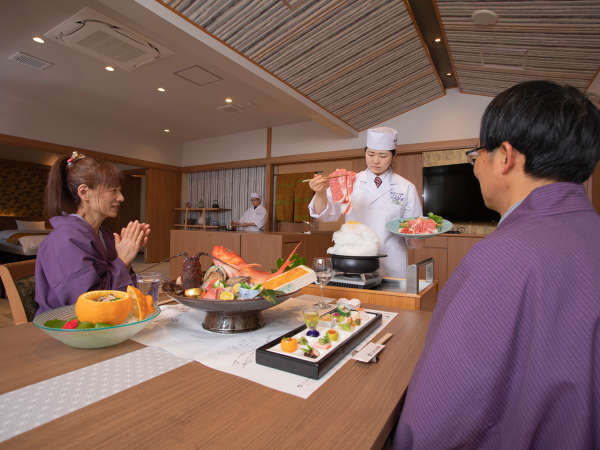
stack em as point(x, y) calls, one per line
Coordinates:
point(389, 293)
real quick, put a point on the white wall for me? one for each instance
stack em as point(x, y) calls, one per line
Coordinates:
point(454, 116)
point(233, 147)
point(28, 119)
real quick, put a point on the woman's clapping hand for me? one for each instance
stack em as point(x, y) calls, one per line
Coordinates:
point(131, 240)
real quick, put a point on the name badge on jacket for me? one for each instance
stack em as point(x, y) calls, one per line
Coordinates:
point(396, 197)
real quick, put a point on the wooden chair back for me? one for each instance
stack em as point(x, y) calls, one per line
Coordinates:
point(10, 273)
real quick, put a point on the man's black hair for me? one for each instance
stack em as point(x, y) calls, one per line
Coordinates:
point(556, 127)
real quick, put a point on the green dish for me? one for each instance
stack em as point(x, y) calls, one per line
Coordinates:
point(394, 225)
point(89, 337)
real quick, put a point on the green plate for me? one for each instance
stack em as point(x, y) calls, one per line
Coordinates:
point(394, 226)
point(89, 337)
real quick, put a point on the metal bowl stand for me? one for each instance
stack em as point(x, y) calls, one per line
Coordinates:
point(233, 322)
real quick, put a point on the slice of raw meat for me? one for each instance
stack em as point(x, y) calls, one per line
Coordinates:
point(420, 225)
point(341, 183)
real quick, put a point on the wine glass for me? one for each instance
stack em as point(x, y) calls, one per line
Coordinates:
point(324, 271)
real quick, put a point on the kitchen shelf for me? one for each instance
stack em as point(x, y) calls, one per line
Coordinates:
point(203, 226)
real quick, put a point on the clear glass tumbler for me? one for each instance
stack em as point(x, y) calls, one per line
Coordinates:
point(149, 284)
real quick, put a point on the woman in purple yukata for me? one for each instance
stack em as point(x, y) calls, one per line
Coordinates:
point(512, 356)
point(79, 255)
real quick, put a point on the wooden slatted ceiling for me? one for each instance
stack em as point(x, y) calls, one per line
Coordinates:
point(554, 40)
point(362, 61)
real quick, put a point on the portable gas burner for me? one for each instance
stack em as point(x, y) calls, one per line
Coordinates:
point(356, 280)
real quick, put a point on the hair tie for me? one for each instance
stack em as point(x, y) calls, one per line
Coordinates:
point(75, 156)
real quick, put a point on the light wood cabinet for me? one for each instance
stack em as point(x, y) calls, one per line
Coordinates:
point(447, 252)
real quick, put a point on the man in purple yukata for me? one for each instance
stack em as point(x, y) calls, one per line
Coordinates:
point(512, 356)
point(79, 255)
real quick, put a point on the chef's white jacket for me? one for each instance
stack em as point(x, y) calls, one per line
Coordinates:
point(395, 198)
point(257, 216)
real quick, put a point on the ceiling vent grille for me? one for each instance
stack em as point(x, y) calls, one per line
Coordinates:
point(31, 61)
point(105, 39)
point(230, 108)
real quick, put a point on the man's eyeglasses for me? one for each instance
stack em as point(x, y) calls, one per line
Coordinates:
point(473, 154)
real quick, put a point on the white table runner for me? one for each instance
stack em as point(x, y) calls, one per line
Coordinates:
point(179, 330)
point(39, 403)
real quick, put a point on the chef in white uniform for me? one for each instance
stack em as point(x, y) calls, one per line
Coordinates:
point(379, 196)
point(254, 218)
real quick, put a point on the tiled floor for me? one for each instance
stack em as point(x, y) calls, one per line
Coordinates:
point(138, 265)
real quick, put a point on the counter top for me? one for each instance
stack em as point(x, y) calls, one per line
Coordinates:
point(195, 406)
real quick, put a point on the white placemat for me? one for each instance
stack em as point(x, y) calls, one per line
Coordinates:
point(179, 330)
point(39, 403)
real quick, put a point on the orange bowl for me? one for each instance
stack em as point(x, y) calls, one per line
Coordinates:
point(88, 309)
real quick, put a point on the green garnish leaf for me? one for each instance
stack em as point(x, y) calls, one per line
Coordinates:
point(271, 295)
point(102, 325)
point(437, 219)
point(55, 323)
point(83, 325)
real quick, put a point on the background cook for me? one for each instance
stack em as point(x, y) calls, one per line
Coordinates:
point(255, 217)
point(379, 196)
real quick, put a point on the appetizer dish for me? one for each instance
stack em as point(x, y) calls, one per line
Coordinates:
point(416, 227)
point(329, 334)
point(100, 309)
point(99, 318)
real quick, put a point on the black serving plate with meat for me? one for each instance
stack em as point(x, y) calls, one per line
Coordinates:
point(313, 369)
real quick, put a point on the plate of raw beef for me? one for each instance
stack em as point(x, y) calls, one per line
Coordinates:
point(418, 227)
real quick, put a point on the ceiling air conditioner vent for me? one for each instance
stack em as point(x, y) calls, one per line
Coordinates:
point(30, 61)
point(105, 39)
point(230, 108)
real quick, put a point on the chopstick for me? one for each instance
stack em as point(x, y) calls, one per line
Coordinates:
point(336, 176)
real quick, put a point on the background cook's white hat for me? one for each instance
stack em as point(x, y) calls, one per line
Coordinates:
point(382, 138)
point(255, 195)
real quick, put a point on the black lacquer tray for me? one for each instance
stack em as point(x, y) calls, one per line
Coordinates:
point(313, 369)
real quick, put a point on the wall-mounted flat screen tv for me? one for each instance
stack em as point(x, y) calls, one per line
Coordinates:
point(453, 192)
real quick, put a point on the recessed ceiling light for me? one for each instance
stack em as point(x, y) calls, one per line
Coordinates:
point(39, 40)
point(437, 40)
point(228, 100)
point(166, 130)
point(161, 89)
point(448, 74)
point(109, 68)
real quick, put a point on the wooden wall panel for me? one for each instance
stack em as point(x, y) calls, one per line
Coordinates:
point(163, 195)
point(458, 247)
point(411, 168)
point(261, 248)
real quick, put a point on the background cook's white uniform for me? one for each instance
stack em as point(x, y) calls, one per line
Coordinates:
point(257, 215)
point(395, 198)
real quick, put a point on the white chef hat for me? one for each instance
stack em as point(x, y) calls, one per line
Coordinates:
point(382, 138)
point(255, 195)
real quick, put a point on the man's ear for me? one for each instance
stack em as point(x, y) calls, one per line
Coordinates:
point(507, 156)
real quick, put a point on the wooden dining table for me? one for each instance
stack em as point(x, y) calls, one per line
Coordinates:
point(195, 406)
